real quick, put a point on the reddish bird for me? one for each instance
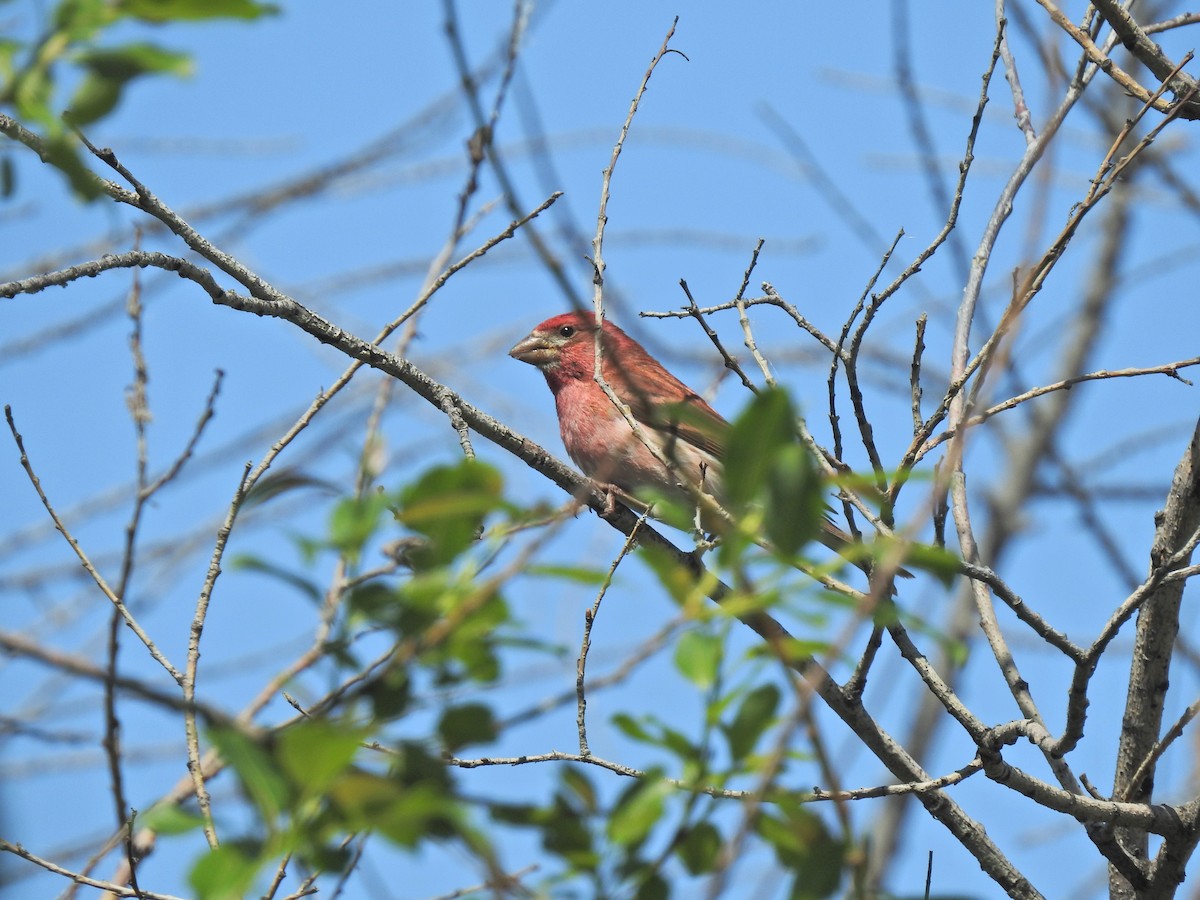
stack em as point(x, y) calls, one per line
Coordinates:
point(687, 432)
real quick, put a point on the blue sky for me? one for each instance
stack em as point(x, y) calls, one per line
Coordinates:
point(705, 173)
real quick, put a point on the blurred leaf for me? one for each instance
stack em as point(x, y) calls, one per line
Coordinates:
point(62, 153)
point(404, 815)
point(132, 60)
point(31, 92)
point(804, 846)
point(316, 751)
point(794, 650)
point(581, 787)
point(415, 765)
point(631, 728)
point(699, 848)
point(470, 723)
point(565, 834)
point(226, 872)
point(281, 482)
point(937, 561)
point(515, 813)
point(763, 428)
point(260, 778)
point(577, 574)
point(679, 581)
point(447, 504)
point(638, 810)
point(169, 818)
point(354, 522)
point(794, 503)
point(81, 20)
point(96, 97)
point(374, 601)
point(390, 694)
point(244, 562)
point(754, 716)
point(174, 10)
point(698, 658)
point(653, 887)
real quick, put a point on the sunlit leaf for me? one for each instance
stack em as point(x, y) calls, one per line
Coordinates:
point(447, 504)
point(794, 501)
point(178, 10)
point(762, 429)
point(316, 751)
point(577, 574)
point(260, 777)
point(638, 811)
point(354, 521)
point(698, 657)
point(169, 818)
point(937, 561)
point(226, 872)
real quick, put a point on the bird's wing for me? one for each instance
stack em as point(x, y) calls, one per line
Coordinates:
point(677, 413)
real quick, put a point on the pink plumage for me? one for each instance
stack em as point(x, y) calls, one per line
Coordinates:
point(673, 418)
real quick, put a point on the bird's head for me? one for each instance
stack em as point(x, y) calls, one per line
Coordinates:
point(564, 344)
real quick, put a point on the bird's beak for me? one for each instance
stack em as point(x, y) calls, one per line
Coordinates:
point(535, 350)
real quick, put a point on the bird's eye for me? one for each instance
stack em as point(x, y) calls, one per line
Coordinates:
point(566, 331)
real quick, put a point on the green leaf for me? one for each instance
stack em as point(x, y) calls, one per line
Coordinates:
point(281, 482)
point(390, 694)
point(415, 766)
point(8, 177)
point(754, 716)
point(169, 818)
point(32, 91)
point(316, 751)
point(225, 873)
point(764, 427)
point(470, 723)
point(699, 848)
point(160, 11)
point(244, 562)
point(77, 21)
point(565, 834)
point(632, 728)
point(447, 504)
point(638, 811)
point(354, 521)
point(96, 97)
point(937, 561)
point(110, 69)
point(132, 60)
point(9, 49)
point(577, 574)
point(678, 580)
point(698, 658)
point(794, 502)
point(804, 846)
point(61, 153)
point(264, 784)
point(654, 887)
point(405, 815)
point(581, 787)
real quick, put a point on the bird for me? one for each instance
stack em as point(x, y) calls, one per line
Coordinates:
point(689, 435)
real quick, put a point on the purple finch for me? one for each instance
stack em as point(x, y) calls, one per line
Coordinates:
point(688, 434)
